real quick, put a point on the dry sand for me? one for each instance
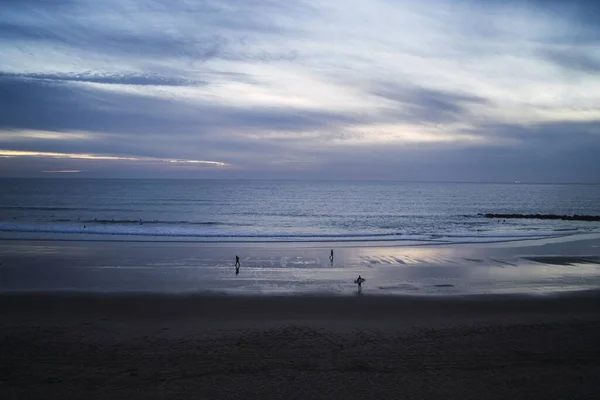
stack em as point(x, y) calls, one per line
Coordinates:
point(76, 346)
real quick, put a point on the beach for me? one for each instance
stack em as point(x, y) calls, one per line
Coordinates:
point(151, 320)
point(73, 346)
point(299, 200)
point(565, 263)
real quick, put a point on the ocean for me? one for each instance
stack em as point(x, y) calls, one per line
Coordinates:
point(287, 211)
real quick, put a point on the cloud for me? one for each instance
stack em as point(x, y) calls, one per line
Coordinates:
point(184, 30)
point(101, 157)
point(553, 142)
point(115, 43)
point(119, 123)
point(303, 88)
point(575, 59)
point(420, 104)
point(61, 106)
point(124, 79)
point(64, 171)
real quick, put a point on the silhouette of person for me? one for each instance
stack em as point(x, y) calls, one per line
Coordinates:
point(237, 265)
point(331, 256)
point(359, 282)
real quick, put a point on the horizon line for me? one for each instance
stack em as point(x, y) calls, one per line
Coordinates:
point(79, 177)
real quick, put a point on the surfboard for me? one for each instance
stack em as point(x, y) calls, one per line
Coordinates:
point(361, 280)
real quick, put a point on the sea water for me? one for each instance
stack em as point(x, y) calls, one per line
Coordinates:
point(259, 211)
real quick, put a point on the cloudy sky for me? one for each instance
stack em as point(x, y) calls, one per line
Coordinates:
point(467, 90)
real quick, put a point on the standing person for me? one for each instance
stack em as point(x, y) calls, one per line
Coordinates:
point(331, 256)
point(359, 282)
point(237, 265)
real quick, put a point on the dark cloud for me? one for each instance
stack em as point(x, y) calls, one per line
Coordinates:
point(114, 42)
point(483, 20)
point(129, 124)
point(546, 136)
point(47, 105)
point(427, 162)
point(562, 151)
point(573, 59)
point(584, 11)
point(558, 151)
point(490, 163)
point(123, 79)
point(132, 123)
point(38, 4)
point(222, 29)
point(33, 104)
point(420, 104)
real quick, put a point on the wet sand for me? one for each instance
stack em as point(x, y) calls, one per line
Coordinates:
point(74, 346)
point(558, 264)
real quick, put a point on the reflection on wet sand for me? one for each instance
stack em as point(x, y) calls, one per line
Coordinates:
point(289, 269)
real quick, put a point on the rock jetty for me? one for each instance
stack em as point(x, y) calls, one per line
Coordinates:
point(544, 216)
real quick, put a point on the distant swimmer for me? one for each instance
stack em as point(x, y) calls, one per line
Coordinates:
point(359, 282)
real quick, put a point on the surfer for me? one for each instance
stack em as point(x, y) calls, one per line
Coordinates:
point(331, 256)
point(237, 265)
point(359, 282)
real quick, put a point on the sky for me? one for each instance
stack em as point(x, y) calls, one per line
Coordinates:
point(426, 90)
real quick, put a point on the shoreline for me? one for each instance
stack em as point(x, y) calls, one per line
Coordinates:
point(317, 242)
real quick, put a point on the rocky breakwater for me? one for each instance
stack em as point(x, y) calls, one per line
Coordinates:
point(575, 217)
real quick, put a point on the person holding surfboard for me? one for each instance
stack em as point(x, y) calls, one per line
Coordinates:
point(359, 282)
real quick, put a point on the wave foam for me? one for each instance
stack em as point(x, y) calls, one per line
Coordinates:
point(201, 231)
